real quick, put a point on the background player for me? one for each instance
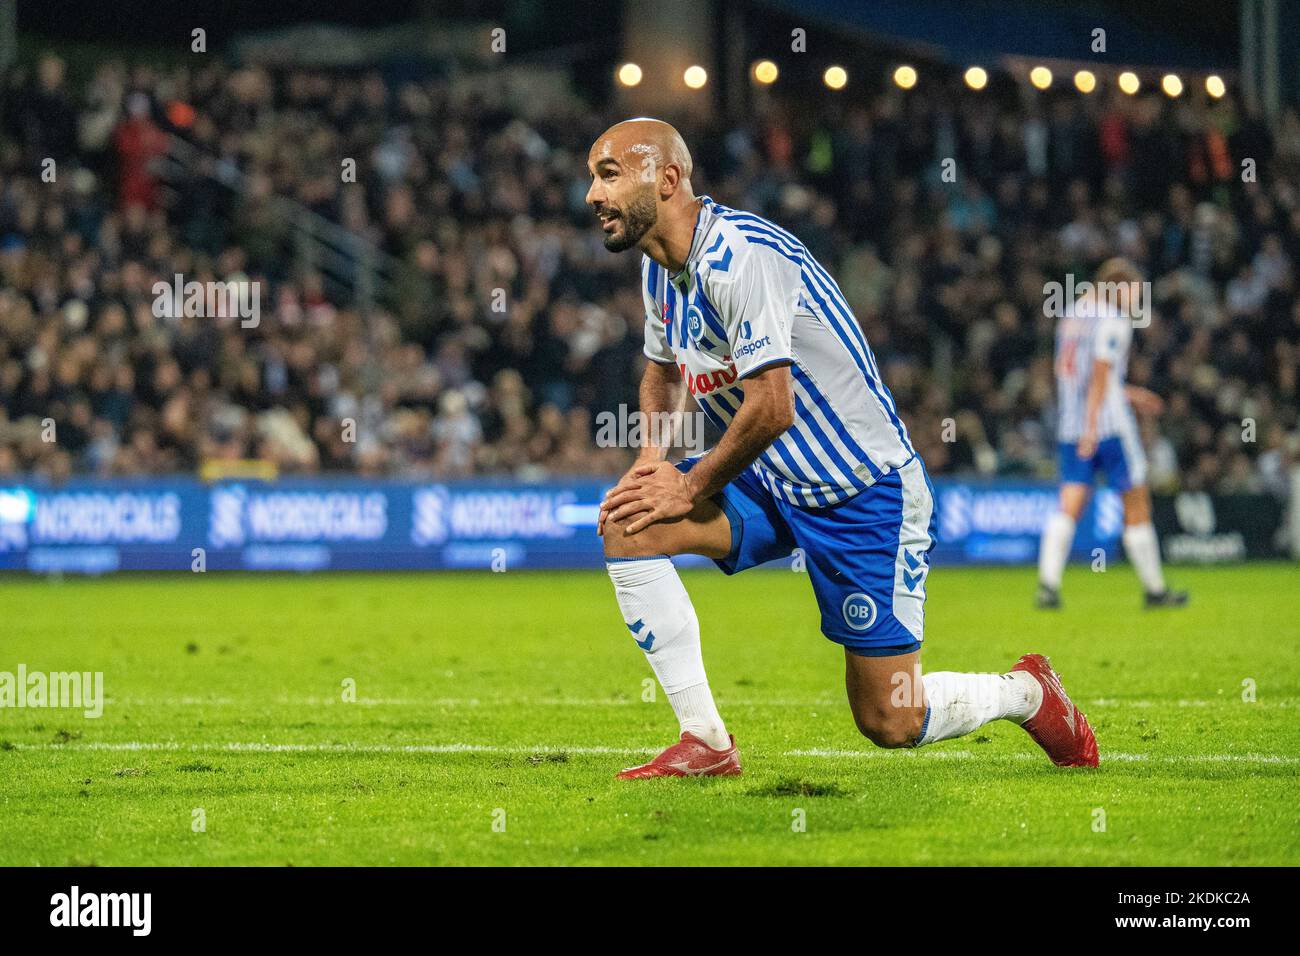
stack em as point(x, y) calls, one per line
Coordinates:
point(1098, 433)
point(813, 455)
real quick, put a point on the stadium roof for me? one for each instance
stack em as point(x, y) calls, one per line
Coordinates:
point(965, 31)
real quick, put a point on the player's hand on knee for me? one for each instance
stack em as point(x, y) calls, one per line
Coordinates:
point(619, 493)
point(648, 494)
point(623, 483)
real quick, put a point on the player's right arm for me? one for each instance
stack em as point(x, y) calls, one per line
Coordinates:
point(661, 389)
point(661, 385)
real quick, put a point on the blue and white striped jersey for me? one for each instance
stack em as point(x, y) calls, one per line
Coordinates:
point(1086, 334)
point(750, 296)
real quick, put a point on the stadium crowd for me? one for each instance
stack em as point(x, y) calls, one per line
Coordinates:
point(503, 326)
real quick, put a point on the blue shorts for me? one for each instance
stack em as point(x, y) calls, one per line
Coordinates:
point(867, 557)
point(1120, 460)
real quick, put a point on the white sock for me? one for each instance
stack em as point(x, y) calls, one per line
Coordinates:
point(654, 602)
point(1054, 549)
point(1143, 550)
point(697, 713)
point(956, 704)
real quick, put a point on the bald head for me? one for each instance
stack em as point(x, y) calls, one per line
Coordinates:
point(644, 146)
point(640, 183)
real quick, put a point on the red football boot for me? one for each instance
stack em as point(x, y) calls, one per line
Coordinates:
point(1058, 726)
point(689, 757)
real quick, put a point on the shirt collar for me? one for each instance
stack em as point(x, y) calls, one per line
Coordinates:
point(703, 223)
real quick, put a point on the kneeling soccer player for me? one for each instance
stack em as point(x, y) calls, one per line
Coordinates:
point(813, 456)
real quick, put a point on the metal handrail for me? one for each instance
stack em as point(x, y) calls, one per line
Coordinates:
point(349, 259)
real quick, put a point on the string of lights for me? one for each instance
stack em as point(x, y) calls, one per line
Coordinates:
point(906, 76)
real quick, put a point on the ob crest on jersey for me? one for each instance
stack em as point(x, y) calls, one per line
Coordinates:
point(695, 323)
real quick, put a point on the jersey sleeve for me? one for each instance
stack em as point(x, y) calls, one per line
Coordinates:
point(1111, 339)
point(755, 301)
point(656, 341)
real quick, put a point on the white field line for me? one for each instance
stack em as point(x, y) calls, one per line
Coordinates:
point(435, 702)
point(457, 748)
point(1226, 700)
point(1106, 755)
point(263, 747)
point(723, 701)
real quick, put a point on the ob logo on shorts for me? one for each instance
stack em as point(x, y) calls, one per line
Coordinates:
point(859, 611)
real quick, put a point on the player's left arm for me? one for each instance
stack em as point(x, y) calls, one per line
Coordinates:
point(1143, 400)
point(766, 413)
point(755, 302)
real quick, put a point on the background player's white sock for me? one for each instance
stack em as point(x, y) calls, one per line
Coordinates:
point(654, 601)
point(1143, 550)
point(959, 703)
point(1054, 549)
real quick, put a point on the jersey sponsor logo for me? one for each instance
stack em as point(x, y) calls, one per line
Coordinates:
point(859, 611)
point(749, 348)
point(707, 382)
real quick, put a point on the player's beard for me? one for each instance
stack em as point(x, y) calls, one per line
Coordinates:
point(638, 216)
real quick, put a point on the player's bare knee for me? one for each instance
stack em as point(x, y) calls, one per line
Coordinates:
point(1137, 505)
point(646, 543)
point(888, 726)
point(1073, 499)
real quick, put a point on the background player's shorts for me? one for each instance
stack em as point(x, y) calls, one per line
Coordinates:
point(1119, 458)
point(867, 557)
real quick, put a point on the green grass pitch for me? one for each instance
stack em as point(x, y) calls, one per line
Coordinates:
point(492, 711)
